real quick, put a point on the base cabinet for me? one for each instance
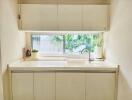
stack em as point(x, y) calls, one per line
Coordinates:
point(100, 86)
point(44, 86)
point(63, 86)
point(22, 86)
point(70, 86)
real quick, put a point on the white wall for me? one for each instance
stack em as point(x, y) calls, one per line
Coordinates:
point(1, 89)
point(12, 41)
point(119, 45)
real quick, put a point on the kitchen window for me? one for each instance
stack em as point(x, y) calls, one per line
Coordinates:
point(69, 44)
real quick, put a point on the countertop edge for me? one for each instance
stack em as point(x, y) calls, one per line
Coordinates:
point(112, 68)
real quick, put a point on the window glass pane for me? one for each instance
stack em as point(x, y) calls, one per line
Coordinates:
point(48, 44)
point(82, 44)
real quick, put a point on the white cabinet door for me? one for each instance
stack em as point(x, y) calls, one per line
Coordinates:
point(22, 86)
point(70, 86)
point(39, 17)
point(95, 17)
point(100, 86)
point(44, 86)
point(70, 17)
point(52, 17)
point(39, 1)
point(96, 2)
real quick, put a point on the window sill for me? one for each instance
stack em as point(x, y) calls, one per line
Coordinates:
point(60, 58)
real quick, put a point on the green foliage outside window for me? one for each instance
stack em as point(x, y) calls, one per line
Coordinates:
point(80, 43)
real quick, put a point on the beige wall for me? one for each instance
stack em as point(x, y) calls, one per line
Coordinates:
point(12, 41)
point(1, 89)
point(119, 45)
point(1, 92)
point(118, 42)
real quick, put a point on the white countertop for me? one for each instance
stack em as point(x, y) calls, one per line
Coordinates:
point(62, 66)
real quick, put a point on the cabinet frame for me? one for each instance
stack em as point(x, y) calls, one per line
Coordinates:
point(80, 27)
point(116, 72)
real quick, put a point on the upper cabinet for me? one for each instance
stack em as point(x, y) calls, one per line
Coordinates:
point(38, 17)
point(65, 1)
point(56, 16)
point(69, 17)
point(95, 18)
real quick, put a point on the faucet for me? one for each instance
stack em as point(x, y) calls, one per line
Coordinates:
point(89, 58)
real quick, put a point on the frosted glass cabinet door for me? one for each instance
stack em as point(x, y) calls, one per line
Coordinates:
point(100, 86)
point(95, 17)
point(22, 86)
point(39, 17)
point(70, 17)
point(70, 86)
point(44, 86)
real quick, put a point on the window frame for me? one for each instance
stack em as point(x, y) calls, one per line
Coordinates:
point(29, 44)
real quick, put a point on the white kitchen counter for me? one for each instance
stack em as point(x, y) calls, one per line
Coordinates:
point(79, 65)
